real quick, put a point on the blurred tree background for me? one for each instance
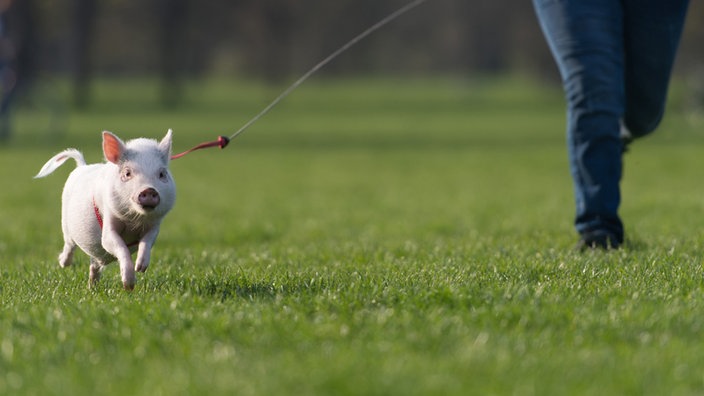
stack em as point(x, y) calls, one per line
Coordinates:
point(276, 40)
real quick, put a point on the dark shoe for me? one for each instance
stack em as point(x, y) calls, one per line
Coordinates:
point(603, 240)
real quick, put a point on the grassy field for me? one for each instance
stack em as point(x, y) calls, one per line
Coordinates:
point(371, 237)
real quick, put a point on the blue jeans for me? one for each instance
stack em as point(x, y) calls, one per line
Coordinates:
point(615, 58)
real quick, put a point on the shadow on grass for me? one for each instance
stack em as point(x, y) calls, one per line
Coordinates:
point(226, 289)
point(636, 244)
point(239, 287)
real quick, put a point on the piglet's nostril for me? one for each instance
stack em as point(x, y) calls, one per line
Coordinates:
point(149, 198)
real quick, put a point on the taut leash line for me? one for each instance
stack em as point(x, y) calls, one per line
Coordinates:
point(222, 141)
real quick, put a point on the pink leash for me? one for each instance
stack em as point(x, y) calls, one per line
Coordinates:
point(221, 142)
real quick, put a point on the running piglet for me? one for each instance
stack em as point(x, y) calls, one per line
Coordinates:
point(112, 209)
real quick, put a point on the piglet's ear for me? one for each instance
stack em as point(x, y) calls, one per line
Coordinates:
point(165, 145)
point(113, 148)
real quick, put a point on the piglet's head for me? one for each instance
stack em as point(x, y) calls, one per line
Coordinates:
point(143, 184)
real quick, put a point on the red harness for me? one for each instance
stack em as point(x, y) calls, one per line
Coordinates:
point(99, 217)
point(97, 214)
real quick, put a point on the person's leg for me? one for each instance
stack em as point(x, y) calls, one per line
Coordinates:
point(586, 38)
point(652, 34)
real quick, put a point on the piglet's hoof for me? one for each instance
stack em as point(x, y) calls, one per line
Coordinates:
point(128, 286)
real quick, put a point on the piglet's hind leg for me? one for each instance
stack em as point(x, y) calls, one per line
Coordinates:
point(66, 256)
point(94, 272)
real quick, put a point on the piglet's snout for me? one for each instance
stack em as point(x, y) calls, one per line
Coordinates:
point(149, 198)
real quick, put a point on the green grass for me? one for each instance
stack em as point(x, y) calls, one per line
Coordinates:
point(368, 237)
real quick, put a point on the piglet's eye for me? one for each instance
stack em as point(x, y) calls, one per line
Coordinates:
point(126, 174)
point(163, 174)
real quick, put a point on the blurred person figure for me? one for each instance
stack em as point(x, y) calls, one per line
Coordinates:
point(7, 75)
point(615, 58)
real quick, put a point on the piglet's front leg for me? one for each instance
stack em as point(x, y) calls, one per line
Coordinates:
point(113, 244)
point(145, 249)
